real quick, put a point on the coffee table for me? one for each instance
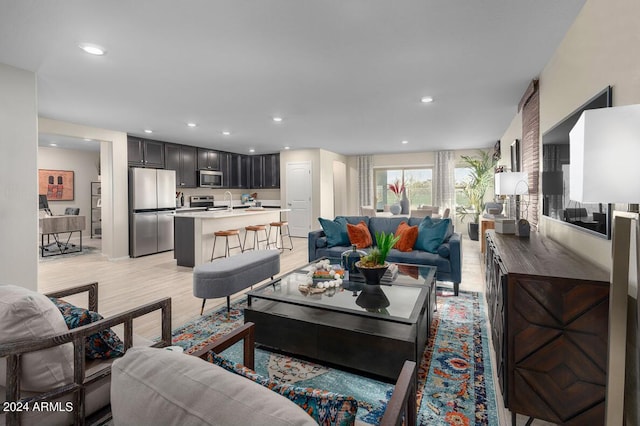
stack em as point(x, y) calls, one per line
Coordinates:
point(373, 329)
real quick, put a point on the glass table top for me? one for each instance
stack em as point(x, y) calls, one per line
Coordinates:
point(397, 299)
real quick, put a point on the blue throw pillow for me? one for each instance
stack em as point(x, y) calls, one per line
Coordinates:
point(326, 408)
point(336, 231)
point(431, 234)
point(100, 345)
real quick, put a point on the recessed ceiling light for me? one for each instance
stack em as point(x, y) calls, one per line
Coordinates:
point(252, 150)
point(226, 133)
point(148, 131)
point(426, 99)
point(88, 140)
point(287, 147)
point(192, 125)
point(93, 49)
point(277, 119)
point(53, 144)
point(405, 142)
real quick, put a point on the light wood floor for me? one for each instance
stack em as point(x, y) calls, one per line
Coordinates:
point(128, 283)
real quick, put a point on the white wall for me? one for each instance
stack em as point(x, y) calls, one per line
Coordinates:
point(600, 49)
point(83, 164)
point(19, 177)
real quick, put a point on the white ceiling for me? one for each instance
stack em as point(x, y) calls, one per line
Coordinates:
point(346, 75)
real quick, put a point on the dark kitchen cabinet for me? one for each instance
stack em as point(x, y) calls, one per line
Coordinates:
point(265, 171)
point(257, 171)
point(182, 159)
point(145, 153)
point(223, 157)
point(239, 171)
point(271, 171)
point(208, 159)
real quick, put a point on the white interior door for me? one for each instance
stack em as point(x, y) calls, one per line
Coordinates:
point(298, 198)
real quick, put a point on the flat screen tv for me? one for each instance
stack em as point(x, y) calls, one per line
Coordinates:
point(556, 202)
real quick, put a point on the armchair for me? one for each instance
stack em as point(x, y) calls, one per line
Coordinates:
point(403, 400)
point(84, 393)
point(140, 369)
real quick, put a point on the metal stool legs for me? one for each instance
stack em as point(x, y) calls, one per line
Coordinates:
point(256, 239)
point(227, 247)
point(281, 234)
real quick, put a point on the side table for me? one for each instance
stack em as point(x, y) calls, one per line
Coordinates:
point(485, 224)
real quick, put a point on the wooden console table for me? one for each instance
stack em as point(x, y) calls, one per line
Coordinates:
point(55, 225)
point(548, 310)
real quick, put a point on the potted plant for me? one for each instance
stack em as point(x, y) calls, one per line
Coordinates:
point(398, 189)
point(482, 171)
point(374, 265)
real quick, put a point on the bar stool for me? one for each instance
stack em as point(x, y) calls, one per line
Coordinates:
point(281, 225)
point(227, 249)
point(256, 239)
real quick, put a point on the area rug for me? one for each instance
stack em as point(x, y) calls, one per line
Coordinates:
point(455, 381)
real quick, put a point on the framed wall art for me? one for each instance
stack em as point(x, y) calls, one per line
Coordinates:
point(57, 185)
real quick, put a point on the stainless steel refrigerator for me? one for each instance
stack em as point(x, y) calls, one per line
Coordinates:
point(152, 202)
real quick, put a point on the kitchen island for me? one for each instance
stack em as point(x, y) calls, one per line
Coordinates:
point(194, 230)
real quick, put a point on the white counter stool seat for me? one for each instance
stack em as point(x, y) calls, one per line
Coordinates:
point(227, 276)
point(283, 231)
point(227, 248)
point(256, 238)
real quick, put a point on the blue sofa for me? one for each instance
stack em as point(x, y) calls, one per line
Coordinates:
point(449, 267)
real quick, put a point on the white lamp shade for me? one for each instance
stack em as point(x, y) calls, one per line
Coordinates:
point(512, 183)
point(605, 156)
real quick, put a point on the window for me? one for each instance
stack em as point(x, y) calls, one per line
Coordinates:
point(462, 176)
point(418, 184)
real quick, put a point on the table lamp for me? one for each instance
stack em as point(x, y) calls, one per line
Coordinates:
point(604, 153)
point(514, 184)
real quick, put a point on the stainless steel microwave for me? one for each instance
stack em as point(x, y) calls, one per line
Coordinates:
point(210, 179)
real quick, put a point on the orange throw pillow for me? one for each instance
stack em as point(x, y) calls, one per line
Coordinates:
point(408, 236)
point(359, 235)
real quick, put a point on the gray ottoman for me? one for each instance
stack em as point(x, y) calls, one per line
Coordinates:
point(226, 276)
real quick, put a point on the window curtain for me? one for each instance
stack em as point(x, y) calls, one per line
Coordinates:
point(365, 181)
point(444, 191)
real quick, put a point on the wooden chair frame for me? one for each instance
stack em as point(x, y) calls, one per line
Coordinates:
point(401, 408)
point(13, 351)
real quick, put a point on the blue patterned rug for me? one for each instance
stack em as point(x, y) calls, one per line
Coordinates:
point(455, 381)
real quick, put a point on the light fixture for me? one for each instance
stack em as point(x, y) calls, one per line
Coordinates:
point(277, 119)
point(287, 147)
point(148, 131)
point(252, 150)
point(92, 49)
point(226, 133)
point(426, 99)
point(88, 140)
point(604, 150)
point(405, 142)
point(192, 125)
point(512, 184)
point(53, 144)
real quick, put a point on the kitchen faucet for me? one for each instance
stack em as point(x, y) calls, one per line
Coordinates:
point(230, 206)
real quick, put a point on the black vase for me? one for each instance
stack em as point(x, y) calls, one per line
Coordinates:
point(372, 298)
point(372, 276)
point(473, 231)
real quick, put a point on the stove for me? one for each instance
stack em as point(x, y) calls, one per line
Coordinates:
point(201, 201)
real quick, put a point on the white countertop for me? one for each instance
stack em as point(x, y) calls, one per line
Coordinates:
point(221, 214)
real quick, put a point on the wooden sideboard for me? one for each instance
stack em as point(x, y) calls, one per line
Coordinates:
point(548, 310)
